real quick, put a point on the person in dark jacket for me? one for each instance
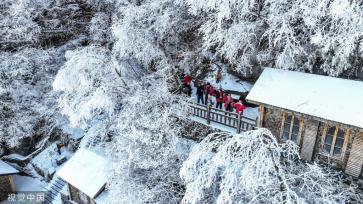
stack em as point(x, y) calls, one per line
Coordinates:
point(200, 93)
point(206, 92)
point(242, 98)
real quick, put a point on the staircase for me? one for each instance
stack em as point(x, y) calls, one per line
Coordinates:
point(53, 190)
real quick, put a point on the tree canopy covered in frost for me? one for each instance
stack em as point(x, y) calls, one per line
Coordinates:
point(150, 32)
point(253, 167)
point(25, 93)
point(316, 36)
point(147, 132)
point(130, 87)
point(88, 84)
point(28, 105)
point(17, 22)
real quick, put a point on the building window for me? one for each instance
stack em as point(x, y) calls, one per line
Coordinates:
point(333, 141)
point(291, 127)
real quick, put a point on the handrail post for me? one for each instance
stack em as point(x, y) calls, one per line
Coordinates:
point(208, 114)
point(239, 123)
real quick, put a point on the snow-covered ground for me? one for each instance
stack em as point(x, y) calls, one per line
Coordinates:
point(228, 82)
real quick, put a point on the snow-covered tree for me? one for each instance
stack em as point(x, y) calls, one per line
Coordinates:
point(253, 167)
point(149, 33)
point(339, 38)
point(131, 86)
point(100, 28)
point(88, 83)
point(146, 137)
point(283, 34)
point(25, 98)
point(141, 117)
point(17, 22)
point(231, 28)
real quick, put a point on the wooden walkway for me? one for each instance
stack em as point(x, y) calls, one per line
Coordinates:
point(221, 119)
point(217, 118)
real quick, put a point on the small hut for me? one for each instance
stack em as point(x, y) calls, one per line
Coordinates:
point(85, 175)
point(321, 114)
point(6, 180)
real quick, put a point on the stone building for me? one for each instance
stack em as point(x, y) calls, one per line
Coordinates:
point(86, 177)
point(321, 114)
point(6, 180)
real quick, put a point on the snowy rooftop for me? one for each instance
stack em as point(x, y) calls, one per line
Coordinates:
point(86, 171)
point(6, 169)
point(329, 98)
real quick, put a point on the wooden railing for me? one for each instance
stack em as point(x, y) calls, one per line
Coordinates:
point(233, 120)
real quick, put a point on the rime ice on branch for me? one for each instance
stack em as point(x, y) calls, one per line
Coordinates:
point(254, 168)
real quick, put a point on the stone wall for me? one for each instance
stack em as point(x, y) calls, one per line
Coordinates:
point(5, 187)
point(272, 120)
point(74, 192)
point(78, 196)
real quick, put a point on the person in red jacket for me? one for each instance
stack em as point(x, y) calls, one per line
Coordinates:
point(219, 98)
point(239, 107)
point(210, 90)
point(187, 79)
point(228, 100)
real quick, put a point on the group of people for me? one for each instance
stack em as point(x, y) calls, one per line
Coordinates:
point(206, 92)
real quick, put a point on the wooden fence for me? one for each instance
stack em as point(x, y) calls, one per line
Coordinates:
point(233, 120)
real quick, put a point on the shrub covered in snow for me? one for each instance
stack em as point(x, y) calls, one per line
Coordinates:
point(26, 101)
point(253, 167)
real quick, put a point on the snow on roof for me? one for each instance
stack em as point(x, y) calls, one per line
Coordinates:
point(86, 171)
point(329, 98)
point(6, 169)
